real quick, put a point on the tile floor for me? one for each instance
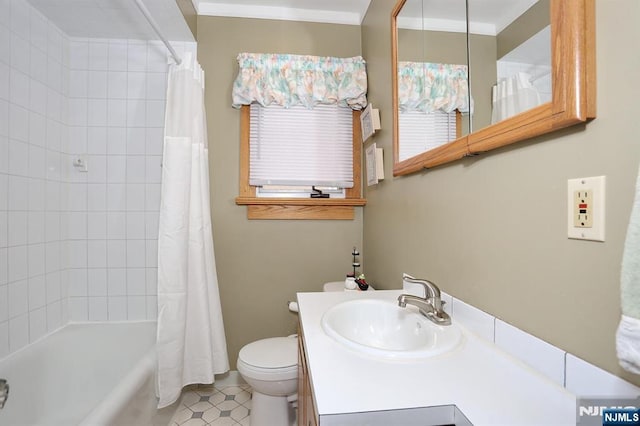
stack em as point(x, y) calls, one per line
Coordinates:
point(208, 405)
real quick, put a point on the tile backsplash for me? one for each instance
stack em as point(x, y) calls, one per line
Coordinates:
point(576, 375)
point(77, 245)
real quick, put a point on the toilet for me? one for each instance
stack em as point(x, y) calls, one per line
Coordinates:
point(270, 367)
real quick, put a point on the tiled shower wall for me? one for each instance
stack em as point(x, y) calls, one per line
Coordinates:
point(76, 245)
point(33, 115)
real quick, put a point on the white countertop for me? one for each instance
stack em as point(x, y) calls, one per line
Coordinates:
point(487, 385)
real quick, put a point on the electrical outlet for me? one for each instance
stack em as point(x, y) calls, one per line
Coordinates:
point(583, 208)
point(586, 208)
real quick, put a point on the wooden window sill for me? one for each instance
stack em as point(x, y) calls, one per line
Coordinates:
point(301, 208)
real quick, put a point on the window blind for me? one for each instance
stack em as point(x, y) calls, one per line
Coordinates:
point(420, 132)
point(300, 146)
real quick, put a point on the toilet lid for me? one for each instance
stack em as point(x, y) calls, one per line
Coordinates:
point(276, 352)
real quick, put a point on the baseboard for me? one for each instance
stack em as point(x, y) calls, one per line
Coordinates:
point(230, 378)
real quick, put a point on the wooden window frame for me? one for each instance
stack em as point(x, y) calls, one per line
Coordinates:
point(299, 208)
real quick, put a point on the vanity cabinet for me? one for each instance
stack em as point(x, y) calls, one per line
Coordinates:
point(307, 413)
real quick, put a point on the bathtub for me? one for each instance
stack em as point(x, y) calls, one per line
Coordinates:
point(85, 374)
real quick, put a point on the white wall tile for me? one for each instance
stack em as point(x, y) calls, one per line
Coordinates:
point(36, 259)
point(136, 225)
point(79, 55)
point(98, 309)
point(117, 85)
point(97, 112)
point(78, 112)
point(135, 197)
point(4, 118)
point(151, 253)
point(38, 97)
point(156, 86)
point(37, 162)
point(78, 309)
point(5, 72)
point(78, 254)
point(116, 197)
point(152, 281)
point(136, 169)
point(78, 83)
point(136, 308)
point(137, 56)
point(136, 85)
point(97, 282)
point(37, 194)
point(52, 256)
point(97, 253)
point(117, 282)
point(20, 54)
point(4, 191)
point(78, 282)
point(136, 140)
point(54, 316)
point(18, 296)
point(97, 84)
point(78, 197)
point(37, 324)
point(474, 319)
point(38, 65)
point(153, 170)
point(3, 270)
point(116, 254)
point(155, 113)
point(117, 56)
point(4, 231)
point(156, 57)
point(52, 226)
point(38, 30)
point(37, 292)
point(98, 55)
point(18, 158)
point(97, 225)
point(77, 225)
point(97, 197)
point(37, 130)
point(36, 228)
point(4, 154)
point(5, 41)
point(18, 228)
point(52, 282)
point(18, 193)
point(152, 197)
point(117, 169)
point(117, 306)
point(136, 254)
point(136, 282)
point(4, 302)
point(116, 141)
point(96, 141)
point(116, 225)
point(4, 339)
point(97, 165)
point(19, 126)
point(117, 112)
point(540, 355)
point(18, 332)
point(136, 113)
point(152, 308)
point(584, 379)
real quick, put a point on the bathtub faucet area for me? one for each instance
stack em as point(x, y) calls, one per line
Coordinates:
point(430, 306)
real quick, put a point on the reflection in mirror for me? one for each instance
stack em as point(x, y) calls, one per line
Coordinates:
point(433, 89)
point(519, 33)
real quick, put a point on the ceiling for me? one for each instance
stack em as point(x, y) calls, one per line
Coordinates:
point(331, 11)
point(122, 19)
point(115, 18)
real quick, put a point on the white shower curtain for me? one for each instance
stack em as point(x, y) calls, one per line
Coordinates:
point(191, 345)
point(513, 95)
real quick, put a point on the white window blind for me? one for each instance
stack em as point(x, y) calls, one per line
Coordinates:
point(420, 132)
point(300, 146)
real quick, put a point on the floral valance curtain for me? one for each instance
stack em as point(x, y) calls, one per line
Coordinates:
point(429, 87)
point(288, 80)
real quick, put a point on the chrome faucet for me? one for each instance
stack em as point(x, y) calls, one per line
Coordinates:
point(4, 392)
point(429, 306)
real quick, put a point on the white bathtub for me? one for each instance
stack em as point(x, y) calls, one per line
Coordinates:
point(85, 374)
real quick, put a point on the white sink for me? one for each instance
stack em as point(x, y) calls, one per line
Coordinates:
point(382, 328)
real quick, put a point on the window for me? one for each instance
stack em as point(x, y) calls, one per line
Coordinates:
point(290, 198)
point(300, 134)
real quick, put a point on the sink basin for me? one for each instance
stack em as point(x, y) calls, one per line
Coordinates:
point(381, 328)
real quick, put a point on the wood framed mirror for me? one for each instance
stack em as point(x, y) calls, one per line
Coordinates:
point(571, 76)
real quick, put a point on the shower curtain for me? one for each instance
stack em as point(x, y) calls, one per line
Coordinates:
point(513, 95)
point(191, 345)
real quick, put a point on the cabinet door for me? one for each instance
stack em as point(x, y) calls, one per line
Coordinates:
point(306, 409)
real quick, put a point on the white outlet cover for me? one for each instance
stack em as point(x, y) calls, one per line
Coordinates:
point(598, 185)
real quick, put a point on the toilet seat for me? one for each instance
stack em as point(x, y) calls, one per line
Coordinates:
point(270, 359)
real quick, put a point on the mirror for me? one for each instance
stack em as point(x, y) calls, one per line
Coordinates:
point(543, 50)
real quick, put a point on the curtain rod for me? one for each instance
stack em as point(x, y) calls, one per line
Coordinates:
point(154, 25)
